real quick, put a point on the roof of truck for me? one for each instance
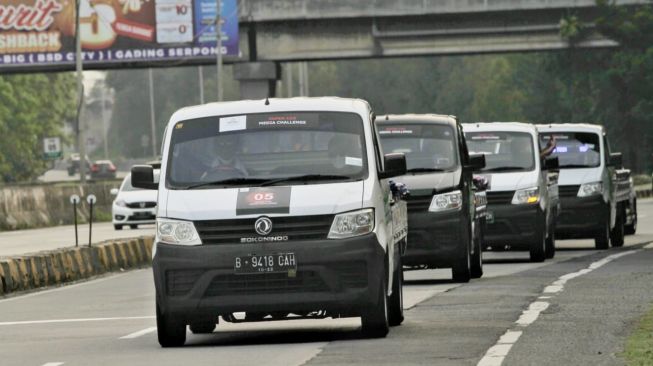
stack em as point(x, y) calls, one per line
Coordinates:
point(272, 105)
point(417, 118)
point(570, 127)
point(500, 126)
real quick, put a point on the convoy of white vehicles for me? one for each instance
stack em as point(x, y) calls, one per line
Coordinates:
point(312, 208)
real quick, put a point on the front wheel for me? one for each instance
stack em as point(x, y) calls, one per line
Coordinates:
point(203, 327)
point(617, 234)
point(396, 300)
point(374, 320)
point(117, 227)
point(171, 333)
point(631, 229)
point(537, 249)
point(551, 244)
point(133, 226)
point(477, 256)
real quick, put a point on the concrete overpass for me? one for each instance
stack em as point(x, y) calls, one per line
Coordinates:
point(305, 30)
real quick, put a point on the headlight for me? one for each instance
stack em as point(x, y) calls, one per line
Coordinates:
point(526, 196)
point(350, 224)
point(446, 201)
point(590, 189)
point(121, 203)
point(176, 232)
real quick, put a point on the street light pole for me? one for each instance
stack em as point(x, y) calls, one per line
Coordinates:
point(152, 113)
point(104, 121)
point(218, 32)
point(81, 137)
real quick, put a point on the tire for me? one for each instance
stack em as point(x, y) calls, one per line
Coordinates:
point(602, 239)
point(203, 327)
point(461, 271)
point(537, 250)
point(477, 256)
point(550, 250)
point(374, 320)
point(632, 228)
point(617, 234)
point(133, 226)
point(169, 332)
point(117, 227)
point(396, 300)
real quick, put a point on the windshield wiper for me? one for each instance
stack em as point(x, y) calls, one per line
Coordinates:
point(424, 170)
point(503, 168)
point(230, 181)
point(305, 178)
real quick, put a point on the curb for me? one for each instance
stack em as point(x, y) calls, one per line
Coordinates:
point(60, 266)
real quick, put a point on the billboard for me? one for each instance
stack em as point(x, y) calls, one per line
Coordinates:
point(40, 34)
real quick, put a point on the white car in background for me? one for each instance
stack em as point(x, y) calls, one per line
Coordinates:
point(133, 206)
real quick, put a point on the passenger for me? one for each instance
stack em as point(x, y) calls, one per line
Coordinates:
point(342, 154)
point(226, 163)
point(549, 148)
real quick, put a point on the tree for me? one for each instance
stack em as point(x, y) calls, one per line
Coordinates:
point(33, 107)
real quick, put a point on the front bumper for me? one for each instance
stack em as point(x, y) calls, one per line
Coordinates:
point(126, 216)
point(581, 217)
point(435, 238)
point(339, 276)
point(514, 225)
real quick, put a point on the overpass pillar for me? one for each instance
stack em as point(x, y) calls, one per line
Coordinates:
point(258, 80)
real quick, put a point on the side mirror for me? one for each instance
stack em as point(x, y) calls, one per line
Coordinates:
point(395, 165)
point(476, 162)
point(616, 160)
point(143, 177)
point(551, 163)
point(114, 191)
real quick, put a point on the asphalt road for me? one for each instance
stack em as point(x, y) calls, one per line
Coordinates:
point(574, 310)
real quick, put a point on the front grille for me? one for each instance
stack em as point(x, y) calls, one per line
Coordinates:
point(568, 191)
point(418, 203)
point(180, 282)
point(498, 198)
point(144, 205)
point(148, 217)
point(266, 283)
point(296, 228)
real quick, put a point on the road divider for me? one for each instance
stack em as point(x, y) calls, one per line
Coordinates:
point(56, 267)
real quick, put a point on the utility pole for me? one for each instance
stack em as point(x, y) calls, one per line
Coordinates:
point(290, 80)
point(306, 79)
point(81, 136)
point(104, 121)
point(200, 76)
point(300, 76)
point(152, 113)
point(218, 32)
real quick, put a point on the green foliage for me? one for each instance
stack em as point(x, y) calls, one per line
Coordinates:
point(639, 346)
point(174, 88)
point(33, 107)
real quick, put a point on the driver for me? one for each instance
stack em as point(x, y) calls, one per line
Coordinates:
point(521, 149)
point(343, 154)
point(226, 163)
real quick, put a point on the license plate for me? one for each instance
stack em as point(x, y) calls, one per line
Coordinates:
point(489, 217)
point(267, 263)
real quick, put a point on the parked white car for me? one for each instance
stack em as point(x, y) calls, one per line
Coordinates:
point(133, 206)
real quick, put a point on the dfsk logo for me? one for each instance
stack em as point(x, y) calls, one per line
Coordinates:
point(263, 226)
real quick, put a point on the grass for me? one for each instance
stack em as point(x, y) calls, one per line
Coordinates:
point(639, 346)
point(641, 179)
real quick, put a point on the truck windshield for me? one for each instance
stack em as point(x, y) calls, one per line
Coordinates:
point(504, 151)
point(575, 149)
point(427, 147)
point(263, 149)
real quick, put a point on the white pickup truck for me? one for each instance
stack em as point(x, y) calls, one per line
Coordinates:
point(276, 209)
point(594, 190)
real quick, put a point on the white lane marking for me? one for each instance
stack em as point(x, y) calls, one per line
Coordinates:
point(529, 316)
point(68, 287)
point(650, 246)
point(53, 364)
point(81, 320)
point(139, 333)
point(497, 353)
